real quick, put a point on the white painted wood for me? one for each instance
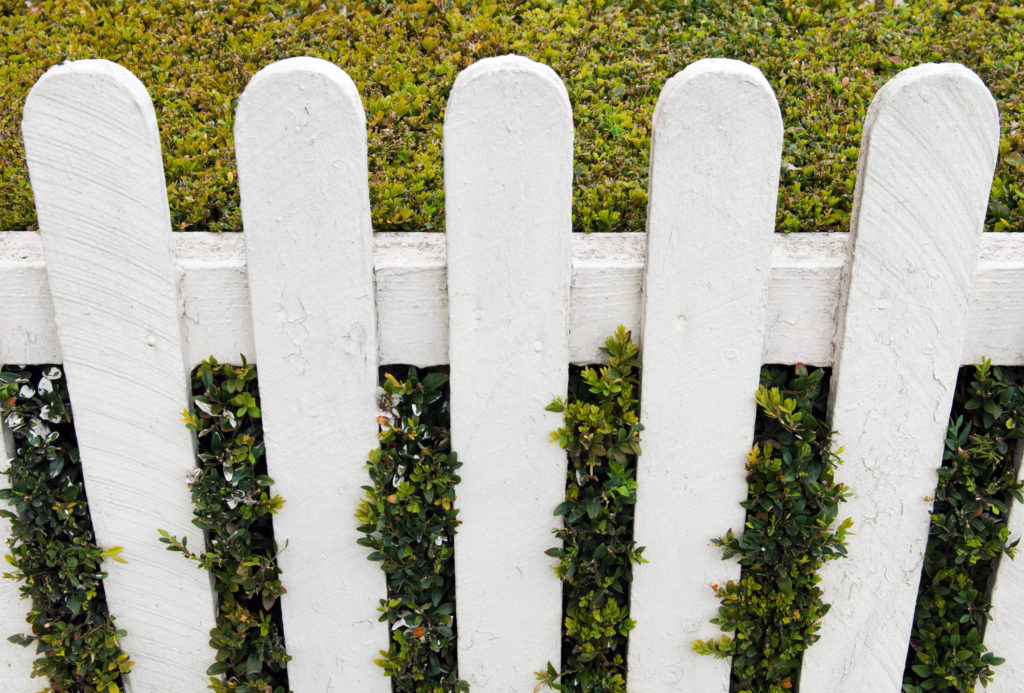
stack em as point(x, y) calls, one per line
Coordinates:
point(93, 156)
point(508, 183)
point(927, 156)
point(300, 138)
point(412, 301)
point(1004, 632)
point(715, 154)
point(27, 331)
point(15, 660)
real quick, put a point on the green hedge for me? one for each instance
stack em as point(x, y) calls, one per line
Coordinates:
point(233, 505)
point(774, 612)
point(408, 521)
point(968, 533)
point(825, 59)
point(601, 437)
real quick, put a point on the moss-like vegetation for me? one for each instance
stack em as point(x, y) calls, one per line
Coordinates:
point(825, 59)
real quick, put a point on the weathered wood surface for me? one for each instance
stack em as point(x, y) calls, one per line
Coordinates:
point(1004, 632)
point(715, 156)
point(300, 138)
point(93, 155)
point(15, 660)
point(412, 303)
point(508, 184)
point(926, 162)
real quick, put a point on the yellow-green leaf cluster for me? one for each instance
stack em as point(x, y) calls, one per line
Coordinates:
point(825, 60)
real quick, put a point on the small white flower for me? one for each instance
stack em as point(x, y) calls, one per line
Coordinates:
point(45, 385)
point(54, 373)
point(440, 540)
point(232, 503)
point(14, 420)
point(26, 392)
point(46, 413)
point(40, 429)
point(396, 480)
point(193, 475)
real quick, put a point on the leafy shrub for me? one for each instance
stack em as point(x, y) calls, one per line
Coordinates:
point(53, 553)
point(602, 439)
point(825, 59)
point(409, 519)
point(968, 534)
point(233, 506)
point(775, 610)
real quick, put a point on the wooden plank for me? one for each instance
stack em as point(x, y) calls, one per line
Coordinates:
point(927, 156)
point(1004, 632)
point(508, 181)
point(300, 138)
point(15, 660)
point(93, 154)
point(715, 156)
point(412, 301)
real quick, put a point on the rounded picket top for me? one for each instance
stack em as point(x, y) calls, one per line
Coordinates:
point(508, 80)
point(277, 101)
point(510, 117)
point(717, 88)
point(939, 121)
point(94, 120)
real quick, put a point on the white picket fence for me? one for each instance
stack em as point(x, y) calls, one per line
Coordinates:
point(509, 297)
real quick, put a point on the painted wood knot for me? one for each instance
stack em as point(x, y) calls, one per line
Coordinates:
point(151, 340)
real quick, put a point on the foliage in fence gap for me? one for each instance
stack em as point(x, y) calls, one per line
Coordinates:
point(409, 520)
point(52, 550)
point(602, 439)
point(233, 506)
point(774, 613)
point(968, 533)
point(825, 59)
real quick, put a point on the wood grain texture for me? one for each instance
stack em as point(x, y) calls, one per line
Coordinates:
point(715, 154)
point(927, 156)
point(1004, 632)
point(508, 185)
point(300, 138)
point(15, 660)
point(93, 155)
point(412, 299)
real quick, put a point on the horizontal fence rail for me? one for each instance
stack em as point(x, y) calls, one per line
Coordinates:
point(509, 298)
point(412, 301)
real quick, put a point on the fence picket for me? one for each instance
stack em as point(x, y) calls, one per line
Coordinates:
point(300, 138)
point(926, 162)
point(508, 181)
point(16, 667)
point(1004, 632)
point(93, 154)
point(715, 155)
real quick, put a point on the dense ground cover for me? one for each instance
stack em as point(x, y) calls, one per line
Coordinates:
point(824, 58)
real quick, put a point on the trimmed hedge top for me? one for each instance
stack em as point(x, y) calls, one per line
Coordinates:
point(824, 58)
